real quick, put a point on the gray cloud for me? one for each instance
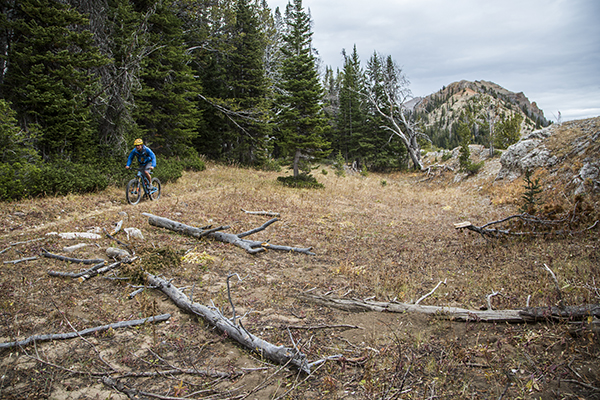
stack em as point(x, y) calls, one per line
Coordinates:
point(550, 50)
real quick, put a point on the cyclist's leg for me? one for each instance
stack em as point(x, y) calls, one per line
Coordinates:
point(147, 175)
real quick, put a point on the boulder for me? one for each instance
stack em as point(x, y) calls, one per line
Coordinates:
point(528, 153)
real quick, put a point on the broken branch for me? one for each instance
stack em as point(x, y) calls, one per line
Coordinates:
point(432, 292)
point(251, 246)
point(279, 354)
point(46, 253)
point(267, 213)
point(71, 335)
point(20, 260)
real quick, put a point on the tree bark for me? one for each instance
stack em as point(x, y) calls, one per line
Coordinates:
point(530, 314)
point(71, 335)
point(279, 354)
point(250, 246)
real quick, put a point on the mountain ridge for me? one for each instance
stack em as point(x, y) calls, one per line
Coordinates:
point(439, 111)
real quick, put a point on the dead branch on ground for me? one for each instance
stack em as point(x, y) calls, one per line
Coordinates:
point(46, 253)
point(495, 232)
point(267, 213)
point(71, 335)
point(236, 331)
point(250, 246)
point(77, 274)
point(21, 260)
point(110, 236)
point(530, 314)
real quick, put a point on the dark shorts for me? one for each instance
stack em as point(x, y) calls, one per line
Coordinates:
point(147, 166)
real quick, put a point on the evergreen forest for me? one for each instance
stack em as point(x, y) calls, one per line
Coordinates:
point(231, 81)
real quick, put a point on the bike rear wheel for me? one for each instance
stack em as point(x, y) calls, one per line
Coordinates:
point(133, 191)
point(156, 194)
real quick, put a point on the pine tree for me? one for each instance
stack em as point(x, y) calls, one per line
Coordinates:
point(166, 110)
point(50, 79)
point(302, 125)
point(353, 142)
point(247, 96)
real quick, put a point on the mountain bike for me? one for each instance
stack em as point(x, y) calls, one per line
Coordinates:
point(139, 183)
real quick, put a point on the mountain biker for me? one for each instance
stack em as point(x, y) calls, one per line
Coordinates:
point(145, 157)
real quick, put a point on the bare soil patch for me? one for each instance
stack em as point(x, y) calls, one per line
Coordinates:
point(387, 237)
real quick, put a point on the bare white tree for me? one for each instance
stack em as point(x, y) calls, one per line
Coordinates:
point(388, 93)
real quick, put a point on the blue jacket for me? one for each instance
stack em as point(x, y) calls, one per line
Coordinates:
point(144, 156)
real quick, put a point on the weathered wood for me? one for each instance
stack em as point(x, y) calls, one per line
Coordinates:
point(251, 246)
point(494, 232)
point(571, 313)
point(21, 260)
point(530, 314)
point(179, 227)
point(46, 253)
point(278, 354)
point(71, 335)
point(92, 273)
point(267, 213)
point(455, 313)
point(77, 274)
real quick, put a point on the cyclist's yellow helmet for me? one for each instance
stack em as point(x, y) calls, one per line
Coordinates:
point(138, 142)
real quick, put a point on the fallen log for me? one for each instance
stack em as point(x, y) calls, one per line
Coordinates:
point(251, 246)
point(529, 314)
point(46, 253)
point(71, 335)
point(278, 354)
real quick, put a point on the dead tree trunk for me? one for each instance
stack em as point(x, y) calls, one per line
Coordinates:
point(530, 314)
point(279, 354)
point(251, 246)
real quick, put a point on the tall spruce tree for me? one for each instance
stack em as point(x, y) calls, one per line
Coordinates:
point(354, 144)
point(50, 79)
point(247, 97)
point(166, 111)
point(302, 125)
point(209, 36)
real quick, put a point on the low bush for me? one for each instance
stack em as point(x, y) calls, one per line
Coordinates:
point(301, 181)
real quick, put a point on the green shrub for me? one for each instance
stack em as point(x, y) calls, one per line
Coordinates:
point(447, 155)
point(301, 181)
point(17, 180)
point(271, 165)
point(364, 171)
point(473, 168)
point(338, 165)
point(62, 177)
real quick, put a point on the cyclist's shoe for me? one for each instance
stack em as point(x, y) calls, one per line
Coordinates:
point(153, 189)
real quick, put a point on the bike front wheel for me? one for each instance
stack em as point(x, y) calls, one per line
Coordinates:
point(134, 191)
point(155, 193)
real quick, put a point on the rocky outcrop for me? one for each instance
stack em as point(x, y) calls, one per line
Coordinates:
point(527, 154)
point(569, 151)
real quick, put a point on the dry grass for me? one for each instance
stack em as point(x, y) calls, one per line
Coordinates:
point(392, 241)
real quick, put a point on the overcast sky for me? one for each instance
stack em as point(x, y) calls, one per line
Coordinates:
point(547, 49)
